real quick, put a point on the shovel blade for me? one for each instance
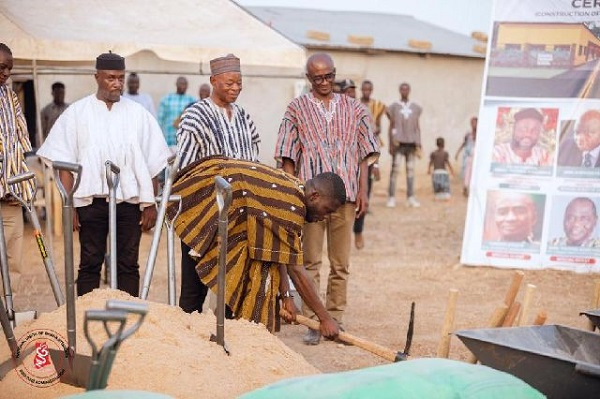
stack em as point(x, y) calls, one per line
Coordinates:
point(75, 371)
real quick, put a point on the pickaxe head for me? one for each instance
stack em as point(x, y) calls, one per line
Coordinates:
point(401, 356)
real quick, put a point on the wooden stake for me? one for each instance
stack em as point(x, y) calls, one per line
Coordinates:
point(595, 304)
point(495, 321)
point(513, 311)
point(540, 319)
point(524, 315)
point(514, 288)
point(443, 349)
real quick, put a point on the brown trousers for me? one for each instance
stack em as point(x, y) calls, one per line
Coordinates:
point(12, 216)
point(338, 227)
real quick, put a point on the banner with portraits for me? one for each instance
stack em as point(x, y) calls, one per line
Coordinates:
point(535, 186)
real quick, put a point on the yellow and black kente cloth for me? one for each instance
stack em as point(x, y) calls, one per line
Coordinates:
point(266, 216)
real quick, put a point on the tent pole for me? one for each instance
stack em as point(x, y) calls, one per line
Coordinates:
point(47, 182)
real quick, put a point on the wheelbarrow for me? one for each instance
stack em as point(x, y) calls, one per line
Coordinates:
point(559, 361)
point(594, 316)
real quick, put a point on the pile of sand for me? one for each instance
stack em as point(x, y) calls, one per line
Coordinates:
point(170, 353)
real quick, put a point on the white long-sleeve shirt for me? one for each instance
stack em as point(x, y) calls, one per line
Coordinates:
point(89, 134)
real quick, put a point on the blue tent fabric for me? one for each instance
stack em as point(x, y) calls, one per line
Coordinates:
point(415, 379)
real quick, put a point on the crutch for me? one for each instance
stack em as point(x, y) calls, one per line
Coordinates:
point(223, 194)
point(160, 218)
point(170, 224)
point(112, 179)
point(37, 231)
point(67, 220)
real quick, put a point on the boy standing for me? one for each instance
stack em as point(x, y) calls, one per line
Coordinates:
point(439, 161)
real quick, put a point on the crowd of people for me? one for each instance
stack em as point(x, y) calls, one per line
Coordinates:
point(327, 150)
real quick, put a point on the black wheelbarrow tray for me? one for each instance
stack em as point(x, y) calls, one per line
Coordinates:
point(594, 316)
point(559, 361)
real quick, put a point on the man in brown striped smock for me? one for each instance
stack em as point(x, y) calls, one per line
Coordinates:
point(268, 210)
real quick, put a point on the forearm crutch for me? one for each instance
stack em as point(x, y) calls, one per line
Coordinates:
point(112, 180)
point(160, 219)
point(37, 230)
point(67, 220)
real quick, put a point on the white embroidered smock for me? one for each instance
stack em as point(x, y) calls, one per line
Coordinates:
point(89, 134)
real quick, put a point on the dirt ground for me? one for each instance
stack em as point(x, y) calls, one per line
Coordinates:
point(411, 254)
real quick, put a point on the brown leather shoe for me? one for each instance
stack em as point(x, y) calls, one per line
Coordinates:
point(359, 241)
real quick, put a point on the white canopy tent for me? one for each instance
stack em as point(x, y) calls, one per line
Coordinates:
point(176, 30)
point(66, 36)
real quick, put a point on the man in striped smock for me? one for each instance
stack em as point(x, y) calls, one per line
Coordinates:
point(14, 142)
point(215, 125)
point(266, 215)
point(322, 131)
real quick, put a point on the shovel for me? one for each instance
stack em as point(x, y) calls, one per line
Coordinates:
point(160, 218)
point(67, 220)
point(376, 349)
point(97, 362)
point(223, 192)
point(92, 372)
point(139, 309)
point(112, 180)
point(37, 232)
point(170, 224)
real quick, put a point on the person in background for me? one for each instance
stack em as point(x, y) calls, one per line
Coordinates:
point(170, 108)
point(52, 111)
point(469, 151)
point(376, 107)
point(466, 146)
point(439, 163)
point(133, 93)
point(204, 91)
point(348, 88)
point(405, 141)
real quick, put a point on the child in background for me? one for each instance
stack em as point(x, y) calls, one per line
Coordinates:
point(439, 161)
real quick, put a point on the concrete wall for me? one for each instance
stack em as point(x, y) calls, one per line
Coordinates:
point(448, 88)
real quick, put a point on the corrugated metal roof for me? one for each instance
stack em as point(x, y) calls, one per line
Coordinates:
point(390, 32)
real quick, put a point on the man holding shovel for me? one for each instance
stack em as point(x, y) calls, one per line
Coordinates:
point(106, 127)
point(268, 210)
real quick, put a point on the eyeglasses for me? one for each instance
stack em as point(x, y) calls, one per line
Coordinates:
point(319, 79)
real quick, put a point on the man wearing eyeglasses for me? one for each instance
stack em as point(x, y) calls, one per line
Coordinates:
point(583, 147)
point(323, 131)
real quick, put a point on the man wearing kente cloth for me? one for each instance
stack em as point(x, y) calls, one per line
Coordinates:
point(266, 215)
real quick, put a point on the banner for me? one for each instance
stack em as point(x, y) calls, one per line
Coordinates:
point(535, 187)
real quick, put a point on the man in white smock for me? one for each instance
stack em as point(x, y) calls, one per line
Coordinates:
point(100, 127)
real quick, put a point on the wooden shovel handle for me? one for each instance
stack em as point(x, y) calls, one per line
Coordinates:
point(376, 349)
